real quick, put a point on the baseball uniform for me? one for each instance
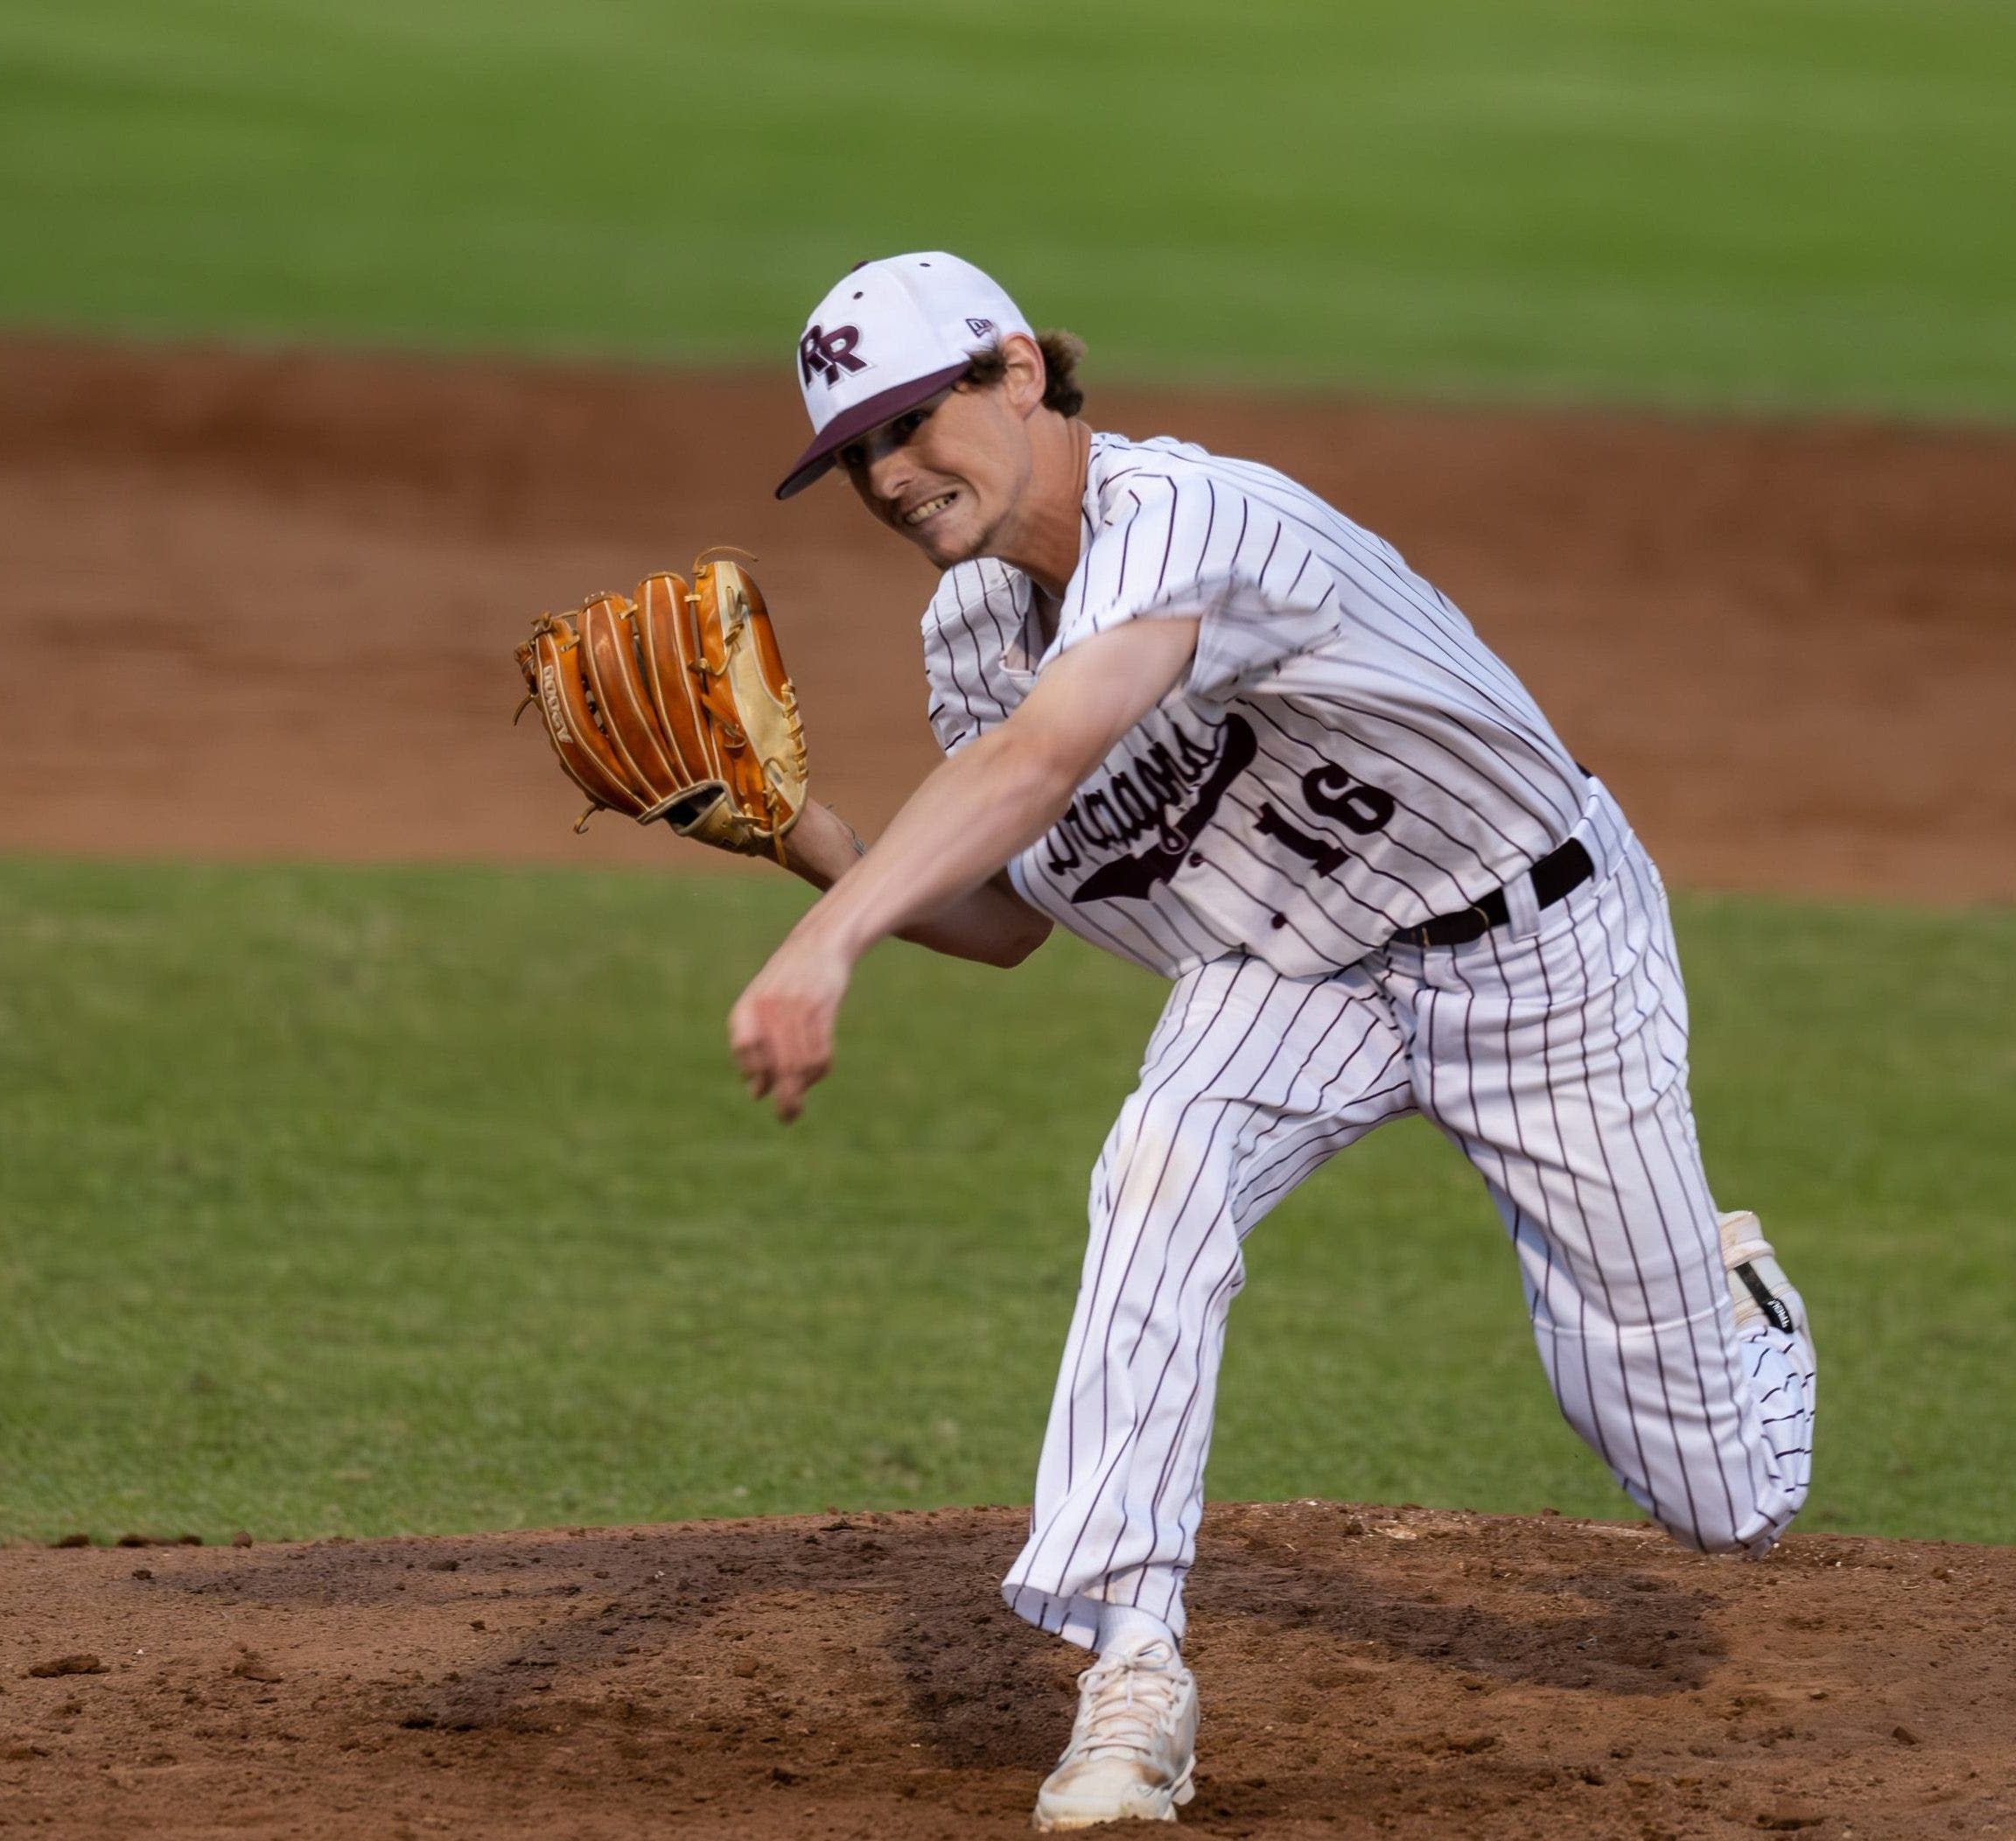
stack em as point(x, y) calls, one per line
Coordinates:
point(1379, 884)
point(1345, 762)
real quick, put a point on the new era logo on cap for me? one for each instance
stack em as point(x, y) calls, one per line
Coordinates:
point(888, 335)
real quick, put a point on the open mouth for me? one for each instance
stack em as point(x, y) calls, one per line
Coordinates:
point(919, 513)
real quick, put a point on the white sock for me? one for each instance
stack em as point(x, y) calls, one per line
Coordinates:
point(1124, 1627)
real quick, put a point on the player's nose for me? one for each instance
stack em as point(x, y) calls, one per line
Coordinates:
point(891, 475)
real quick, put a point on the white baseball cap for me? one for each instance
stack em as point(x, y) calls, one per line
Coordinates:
point(889, 335)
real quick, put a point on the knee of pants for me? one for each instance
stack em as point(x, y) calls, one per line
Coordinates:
point(1754, 1535)
point(1702, 1471)
point(1719, 1501)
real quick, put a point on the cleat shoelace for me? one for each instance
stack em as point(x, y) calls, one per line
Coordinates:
point(1123, 1706)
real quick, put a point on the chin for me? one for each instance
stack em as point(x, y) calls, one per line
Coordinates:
point(949, 548)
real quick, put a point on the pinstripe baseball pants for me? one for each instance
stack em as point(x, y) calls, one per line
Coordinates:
point(1553, 1053)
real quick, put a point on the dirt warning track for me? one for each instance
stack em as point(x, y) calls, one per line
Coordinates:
point(280, 591)
point(1363, 1672)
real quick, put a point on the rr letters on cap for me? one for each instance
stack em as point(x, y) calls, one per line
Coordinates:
point(826, 354)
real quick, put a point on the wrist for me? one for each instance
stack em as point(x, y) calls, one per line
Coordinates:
point(830, 929)
point(847, 831)
point(822, 846)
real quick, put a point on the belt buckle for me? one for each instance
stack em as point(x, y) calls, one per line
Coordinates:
point(1482, 927)
point(1421, 936)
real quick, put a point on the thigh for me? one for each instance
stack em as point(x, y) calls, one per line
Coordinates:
point(1558, 1063)
point(1250, 1082)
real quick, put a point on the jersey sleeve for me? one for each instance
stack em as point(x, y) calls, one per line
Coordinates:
point(1178, 546)
point(966, 628)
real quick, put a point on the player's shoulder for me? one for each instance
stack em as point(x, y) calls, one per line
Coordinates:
point(1164, 476)
point(1166, 486)
point(1122, 475)
point(983, 590)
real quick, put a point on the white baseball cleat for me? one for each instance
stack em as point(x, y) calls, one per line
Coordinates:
point(1133, 1746)
point(1757, 1282)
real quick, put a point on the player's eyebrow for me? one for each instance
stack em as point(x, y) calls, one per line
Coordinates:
point(856, 452)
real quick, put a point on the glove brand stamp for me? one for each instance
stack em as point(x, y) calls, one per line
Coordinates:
point(555, 711)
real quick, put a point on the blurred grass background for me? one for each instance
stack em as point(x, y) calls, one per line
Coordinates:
point(365, 1200)
point(1795, 202)
point(350, 1200)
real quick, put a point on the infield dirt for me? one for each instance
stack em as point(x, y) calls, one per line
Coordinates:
point(271, 600)
point(1363, 1672)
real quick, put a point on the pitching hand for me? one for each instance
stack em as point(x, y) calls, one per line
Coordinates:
point(781, 1027)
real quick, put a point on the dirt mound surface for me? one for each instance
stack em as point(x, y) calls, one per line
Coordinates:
point(1363, 1672)
point(280, 590)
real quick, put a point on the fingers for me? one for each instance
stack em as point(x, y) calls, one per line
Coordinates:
point(783, 1047)
point(780, 1031)
point(748, 1043)
point(790, 1076)
point(790, 1099)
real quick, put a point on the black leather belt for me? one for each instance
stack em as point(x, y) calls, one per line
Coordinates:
point(1554, 876)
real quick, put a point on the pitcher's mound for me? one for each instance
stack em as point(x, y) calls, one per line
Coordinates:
point(1362, 1671)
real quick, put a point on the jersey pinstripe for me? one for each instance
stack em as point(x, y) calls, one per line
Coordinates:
point(1345, 757)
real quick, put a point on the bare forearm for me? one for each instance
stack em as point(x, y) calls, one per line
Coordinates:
point(990, 923)
point(822, 846)
point(995, 797)
point(932, 867)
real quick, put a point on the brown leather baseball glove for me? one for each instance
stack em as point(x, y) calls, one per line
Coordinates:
point(674, 705)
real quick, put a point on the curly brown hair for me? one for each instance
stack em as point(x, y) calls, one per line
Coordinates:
point(1061, 352)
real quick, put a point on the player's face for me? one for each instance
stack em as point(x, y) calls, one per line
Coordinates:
point(948, 474)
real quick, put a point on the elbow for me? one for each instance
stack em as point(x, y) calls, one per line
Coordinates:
point(1014, 930)
point(1013, 950)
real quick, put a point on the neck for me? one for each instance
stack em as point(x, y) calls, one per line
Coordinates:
point(1045, 542)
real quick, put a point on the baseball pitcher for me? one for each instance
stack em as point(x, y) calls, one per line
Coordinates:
point(1194, 714)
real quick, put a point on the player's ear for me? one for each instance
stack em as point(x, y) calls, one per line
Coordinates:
point(1023, 378)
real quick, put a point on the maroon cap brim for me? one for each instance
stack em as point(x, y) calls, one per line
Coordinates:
point(871, 413)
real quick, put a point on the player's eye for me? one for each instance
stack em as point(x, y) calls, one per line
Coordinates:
point(854, 456)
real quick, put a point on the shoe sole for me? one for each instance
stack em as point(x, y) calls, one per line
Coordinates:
point(1161, 1808)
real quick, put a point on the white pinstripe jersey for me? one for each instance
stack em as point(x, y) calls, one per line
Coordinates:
point(1345, 757)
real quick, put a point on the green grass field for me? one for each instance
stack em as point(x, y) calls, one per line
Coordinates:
point(350, 1200)
point(1694, 202)
point(356, 1201)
